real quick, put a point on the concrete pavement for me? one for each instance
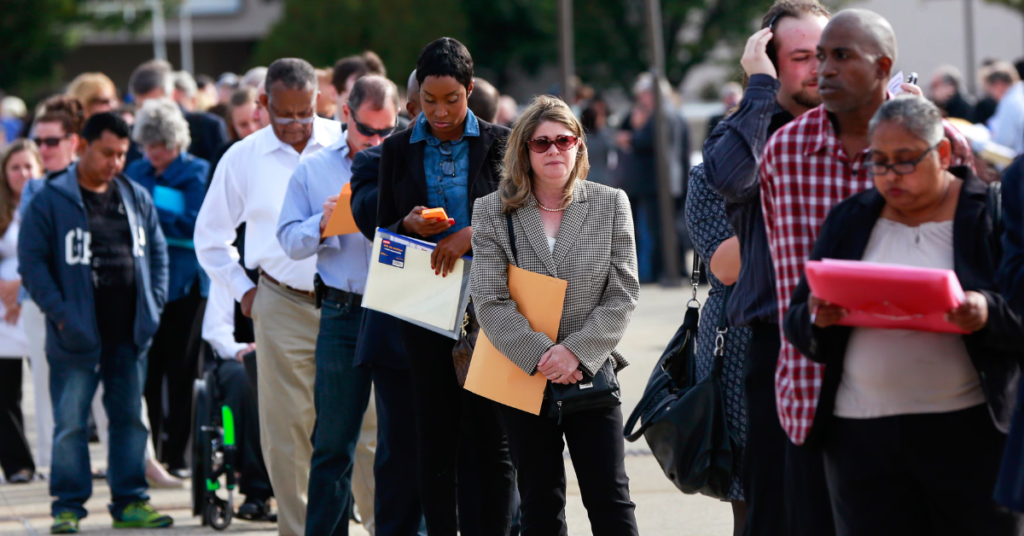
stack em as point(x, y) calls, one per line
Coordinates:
point(661, 509)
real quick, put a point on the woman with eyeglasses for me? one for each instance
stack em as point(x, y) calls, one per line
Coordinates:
point(177, 181)
point(56, 131)
point(448, 159)
point(568, 228)
point(918, 420)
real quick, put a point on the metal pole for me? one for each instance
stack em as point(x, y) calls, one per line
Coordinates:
point(666, 207)
point(159, 30)
point(185, 22)
point(566, 57)
point(972, 81)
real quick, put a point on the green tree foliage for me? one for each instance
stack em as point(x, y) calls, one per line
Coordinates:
point(38, 33)
point(1017, 5)
point(610, 35)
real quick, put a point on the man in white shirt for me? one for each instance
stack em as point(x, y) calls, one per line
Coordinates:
point(248, 187)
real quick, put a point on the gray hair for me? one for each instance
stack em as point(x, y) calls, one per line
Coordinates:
point(254, 77)
point(184, 83)
point(294, 73)
point(916, 114)
point(160, 121)
point(373, 90)
point(154, 74)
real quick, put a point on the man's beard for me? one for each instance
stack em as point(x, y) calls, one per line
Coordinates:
point(806, 99)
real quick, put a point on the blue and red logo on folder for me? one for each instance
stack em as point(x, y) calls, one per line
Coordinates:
point(392, 253)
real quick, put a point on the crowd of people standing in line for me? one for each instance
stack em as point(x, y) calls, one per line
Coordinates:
point(183, 237)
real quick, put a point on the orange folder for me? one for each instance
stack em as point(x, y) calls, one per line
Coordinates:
point(491, 375)
point(342, 222)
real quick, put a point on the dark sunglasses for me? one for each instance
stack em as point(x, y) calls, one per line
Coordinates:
point(371, 132)
point(49, 142)
point(541, 145)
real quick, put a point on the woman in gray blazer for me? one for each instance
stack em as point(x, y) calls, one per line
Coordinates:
point(581, 232)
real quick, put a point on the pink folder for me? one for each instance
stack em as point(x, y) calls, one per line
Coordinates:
point(888, 296)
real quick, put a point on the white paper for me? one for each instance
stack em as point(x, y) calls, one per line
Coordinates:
point(894, 84)
point(414, 293)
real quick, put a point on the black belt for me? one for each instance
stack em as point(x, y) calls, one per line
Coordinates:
point(341, 296)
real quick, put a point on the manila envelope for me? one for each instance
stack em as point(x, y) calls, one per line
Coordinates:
point(342, 222)
point(491, 375)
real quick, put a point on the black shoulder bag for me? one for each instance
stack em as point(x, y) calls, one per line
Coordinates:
point(684, 421)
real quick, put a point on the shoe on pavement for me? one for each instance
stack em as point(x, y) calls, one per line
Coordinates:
point(21, 477)
point(141, 515)
point(255, 510)
point(158, 477)
point(65, 523)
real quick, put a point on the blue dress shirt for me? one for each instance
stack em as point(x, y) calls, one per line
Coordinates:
point(342, 261)
point(446, 167)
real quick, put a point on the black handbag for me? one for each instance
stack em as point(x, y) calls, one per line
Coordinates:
point(684, 420)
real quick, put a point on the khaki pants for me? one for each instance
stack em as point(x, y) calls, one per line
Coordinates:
point(286, 330)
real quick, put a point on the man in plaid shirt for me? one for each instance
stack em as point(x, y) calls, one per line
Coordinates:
point(810, 165)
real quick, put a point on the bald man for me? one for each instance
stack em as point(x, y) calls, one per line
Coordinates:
point(809, 166)
point(483, 101)
point(412, 96)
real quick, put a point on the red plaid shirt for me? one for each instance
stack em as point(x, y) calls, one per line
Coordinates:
point(804, 173)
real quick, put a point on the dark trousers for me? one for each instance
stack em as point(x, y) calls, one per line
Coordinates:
point(236, 391)
point(765, 454)
point(808, 507)
point(441, 408)
point(598, 457)
point(123, 371)
point(396, 502)
point(14, 452)
point(917, 475)
point(174, 354)
point(341, 393)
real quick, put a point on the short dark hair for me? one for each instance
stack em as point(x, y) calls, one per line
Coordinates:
point(345, 68)
point(445, 57)
point(789, 8)
point(483, 102)
point(105, 122)
point(294, 73)
point(374, 90)
point(154, 74)
point(374, 65)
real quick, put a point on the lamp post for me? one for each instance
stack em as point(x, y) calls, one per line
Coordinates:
point(566, 56)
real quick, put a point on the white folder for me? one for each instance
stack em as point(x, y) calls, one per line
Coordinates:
point(404, 285)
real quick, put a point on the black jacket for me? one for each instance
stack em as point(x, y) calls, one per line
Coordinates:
point(209, 133)
point(377, 344)
point(403, 182)
point(996, 350)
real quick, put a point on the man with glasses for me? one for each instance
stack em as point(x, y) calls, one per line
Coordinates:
point(248, 185)
point(342, 390)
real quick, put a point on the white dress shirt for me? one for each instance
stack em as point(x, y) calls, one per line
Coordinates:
point(342, 261)
point(219, 323)
point(248, 187)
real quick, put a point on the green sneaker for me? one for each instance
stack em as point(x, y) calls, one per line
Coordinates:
point(65, 523)
point(140, 515)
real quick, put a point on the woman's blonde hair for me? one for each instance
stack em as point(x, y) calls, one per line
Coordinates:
point(516, 185)
point(87, 86)
point(8, 199)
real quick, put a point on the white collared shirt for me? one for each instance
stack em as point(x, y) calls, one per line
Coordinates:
point(248, 187)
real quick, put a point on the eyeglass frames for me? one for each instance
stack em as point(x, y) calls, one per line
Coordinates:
point(448, 164)
point(51, 141)
point(563, 143)
point(285, 121)
point(371, 132)
point(900, 168)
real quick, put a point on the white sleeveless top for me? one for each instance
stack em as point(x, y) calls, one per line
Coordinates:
point(13, 340)
point(898, 372)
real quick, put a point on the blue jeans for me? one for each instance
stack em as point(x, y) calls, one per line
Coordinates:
point(123, 371)
point(341, 394)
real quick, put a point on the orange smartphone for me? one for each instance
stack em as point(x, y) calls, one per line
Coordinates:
point(434, 214)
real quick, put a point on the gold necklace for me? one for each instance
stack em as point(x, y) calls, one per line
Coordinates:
point(549, 209)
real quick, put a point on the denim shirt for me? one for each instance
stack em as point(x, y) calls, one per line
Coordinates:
point(446, 167)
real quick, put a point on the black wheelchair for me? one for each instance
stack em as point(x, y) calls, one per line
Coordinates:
point(214, 453)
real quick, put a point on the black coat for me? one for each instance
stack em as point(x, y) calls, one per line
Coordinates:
point(995, 351)
point(209, 134)
point(403, 181)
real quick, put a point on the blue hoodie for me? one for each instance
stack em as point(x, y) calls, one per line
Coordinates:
point(56, 271)
point(178, 195)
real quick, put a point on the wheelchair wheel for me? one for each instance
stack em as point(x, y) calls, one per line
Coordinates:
point(217, 515)
point(201, 448)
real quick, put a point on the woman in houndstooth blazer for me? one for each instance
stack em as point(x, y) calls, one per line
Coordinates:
point(583, 233)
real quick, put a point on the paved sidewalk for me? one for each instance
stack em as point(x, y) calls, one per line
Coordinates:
point(661, 509)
